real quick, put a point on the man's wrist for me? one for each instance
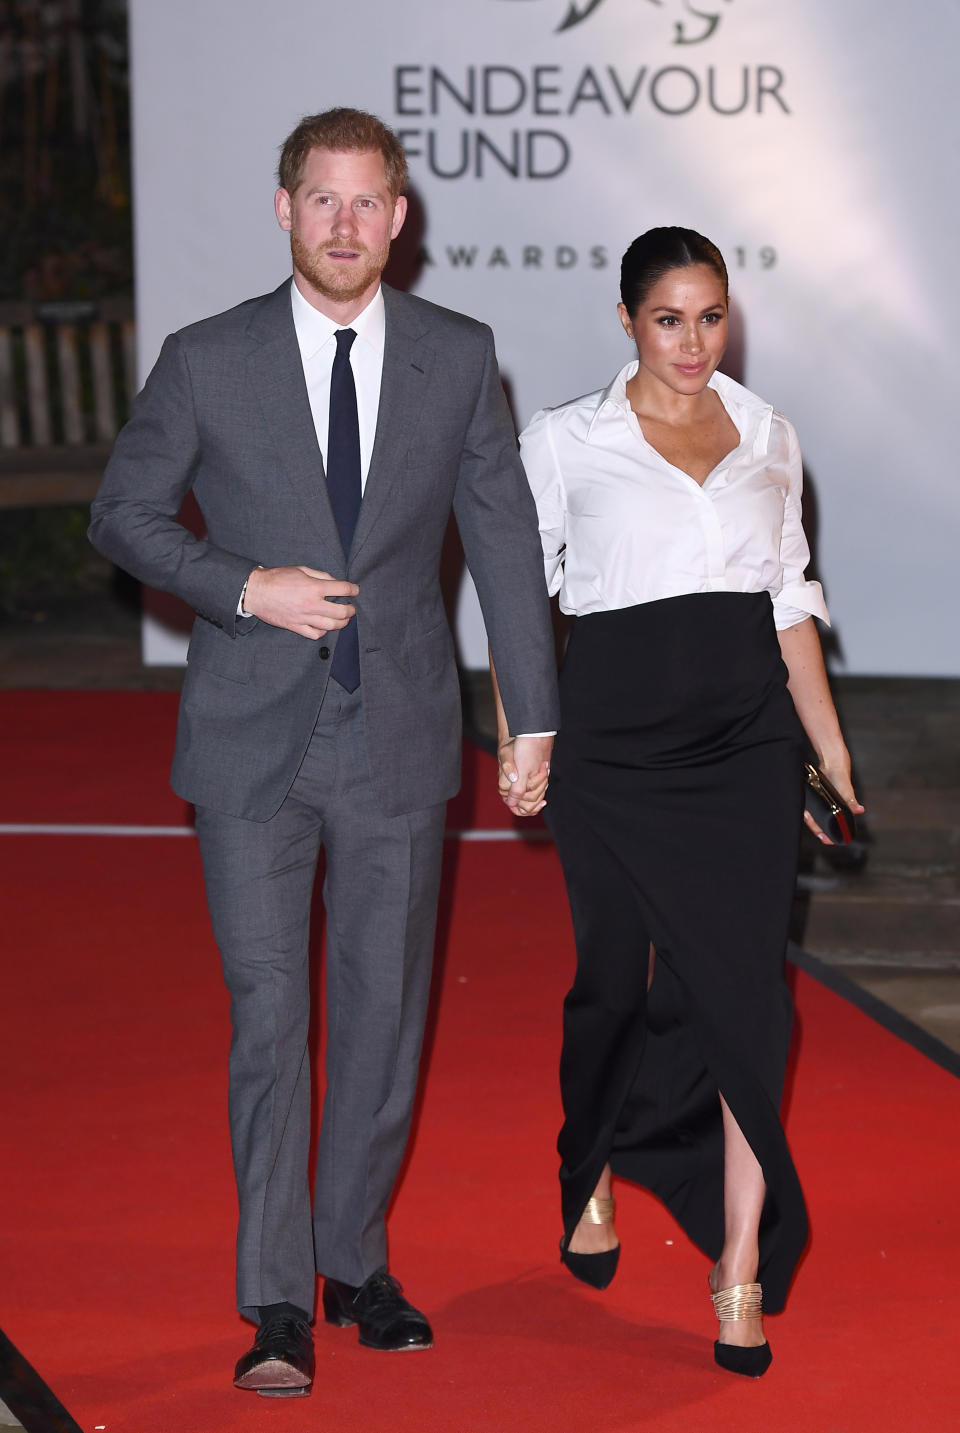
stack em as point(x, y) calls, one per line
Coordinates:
point(241, 610)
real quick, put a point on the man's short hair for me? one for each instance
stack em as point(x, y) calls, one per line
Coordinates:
point(347, 131)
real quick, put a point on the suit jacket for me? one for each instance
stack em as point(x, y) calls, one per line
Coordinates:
point(225, 412)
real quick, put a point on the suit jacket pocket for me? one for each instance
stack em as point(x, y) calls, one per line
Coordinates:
point(431, 651)
point(214, 651)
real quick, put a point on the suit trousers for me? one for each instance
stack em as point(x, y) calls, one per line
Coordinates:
point(380, 898)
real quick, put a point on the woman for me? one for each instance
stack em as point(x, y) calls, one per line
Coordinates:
point(669, 508)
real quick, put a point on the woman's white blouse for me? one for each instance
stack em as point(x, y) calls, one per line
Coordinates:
point(620, 525)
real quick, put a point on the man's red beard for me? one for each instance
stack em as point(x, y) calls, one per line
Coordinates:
point(341, 284)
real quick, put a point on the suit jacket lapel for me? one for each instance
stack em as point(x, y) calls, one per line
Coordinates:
point(276, 376)
point(407, 362)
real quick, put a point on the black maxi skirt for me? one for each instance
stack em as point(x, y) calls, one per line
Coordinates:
point(676, 802)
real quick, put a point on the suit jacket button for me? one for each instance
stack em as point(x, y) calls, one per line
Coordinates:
point(324, 652)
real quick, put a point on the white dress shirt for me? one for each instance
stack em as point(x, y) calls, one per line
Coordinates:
point(620, 525)
point(318, 347)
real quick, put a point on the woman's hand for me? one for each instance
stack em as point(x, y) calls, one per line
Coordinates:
point(522, 780)
point(836, 768)
point(808, 686)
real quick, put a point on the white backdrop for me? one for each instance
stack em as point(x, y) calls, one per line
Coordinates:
point(815, 142)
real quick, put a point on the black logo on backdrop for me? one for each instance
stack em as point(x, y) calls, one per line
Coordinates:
point(477, 120)
point(698, 22)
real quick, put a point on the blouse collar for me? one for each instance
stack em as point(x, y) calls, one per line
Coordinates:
point(750, 415)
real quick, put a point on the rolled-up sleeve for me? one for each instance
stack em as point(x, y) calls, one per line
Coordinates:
point(798, 598)
point(546, 483)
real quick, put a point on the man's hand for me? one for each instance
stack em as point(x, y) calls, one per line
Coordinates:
point(298, 598)
point(524, 773)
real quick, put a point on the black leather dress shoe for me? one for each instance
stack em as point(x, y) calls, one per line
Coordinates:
point(383, 1317)
point(280, 1364)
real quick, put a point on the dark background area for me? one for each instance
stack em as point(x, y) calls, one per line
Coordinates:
point(67, 256)
point(64, 150)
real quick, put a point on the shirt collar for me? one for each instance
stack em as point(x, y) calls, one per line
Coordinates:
point(613, 398)
point(314, 328)
point(750, 414)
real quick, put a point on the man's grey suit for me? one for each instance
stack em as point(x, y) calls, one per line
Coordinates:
point(269, 754)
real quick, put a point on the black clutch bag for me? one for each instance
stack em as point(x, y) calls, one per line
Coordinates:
point(827, 807)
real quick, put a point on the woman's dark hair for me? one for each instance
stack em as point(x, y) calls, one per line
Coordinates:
point(658, 251)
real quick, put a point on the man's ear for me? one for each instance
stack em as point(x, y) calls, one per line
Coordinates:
point(283, 205)
point(399, 214)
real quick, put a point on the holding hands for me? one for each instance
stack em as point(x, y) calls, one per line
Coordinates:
point(524, 772)
point(524, 762)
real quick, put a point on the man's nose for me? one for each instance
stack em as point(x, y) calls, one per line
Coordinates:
point(345, 222)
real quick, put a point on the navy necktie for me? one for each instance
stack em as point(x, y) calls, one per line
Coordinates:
point(343, 487)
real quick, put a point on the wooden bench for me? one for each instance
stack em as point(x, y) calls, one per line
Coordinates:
point(67, 377)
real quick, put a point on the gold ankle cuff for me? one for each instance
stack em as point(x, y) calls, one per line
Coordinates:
point(740, 1301)
point(598, 1211)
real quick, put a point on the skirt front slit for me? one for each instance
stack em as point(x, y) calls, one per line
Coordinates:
point(676, 801)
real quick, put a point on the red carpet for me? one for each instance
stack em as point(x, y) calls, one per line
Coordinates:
point(104, 757)
point(116, 1203)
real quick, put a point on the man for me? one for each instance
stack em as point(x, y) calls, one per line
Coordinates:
point(325, 430)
